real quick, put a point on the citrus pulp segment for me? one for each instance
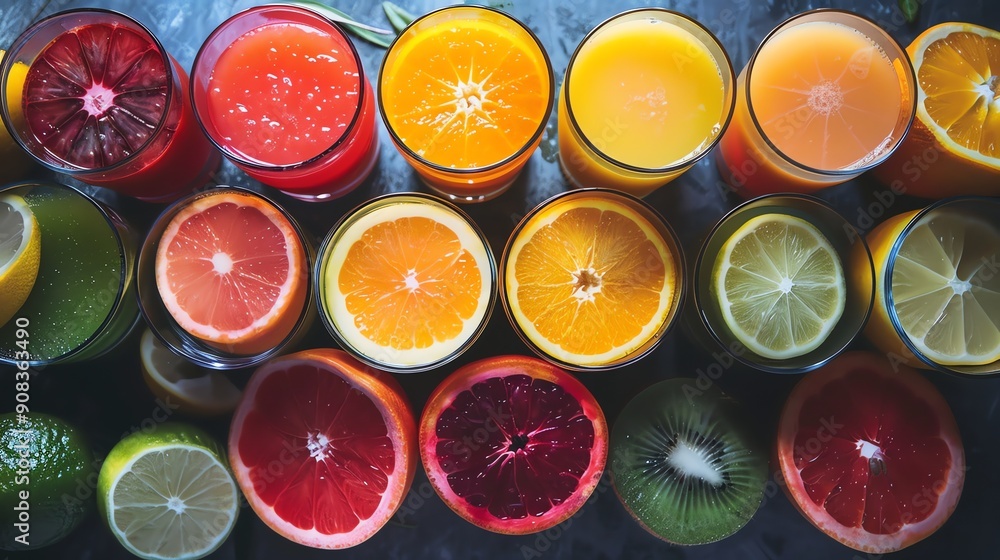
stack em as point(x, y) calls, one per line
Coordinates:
point(323, 447)
point(96, 95)
point(168, 494)
point(16, 160)
point(870, 453)
point(195, 390)
point(780, 286)
point(232, 271)
point(591, 280)
point(945, 293)
point(470, 93)
point(20, 254)
point(539, 444)
point(408, 283)
point(953, 147)
point(57, 459)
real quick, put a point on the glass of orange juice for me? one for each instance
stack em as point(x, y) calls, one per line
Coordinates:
point(466, 92)
point(937, 299)
point(827, 96)
point(592, 279)
point(224, 278)
point(646, 95)
point(406, 282)
point(773, 283)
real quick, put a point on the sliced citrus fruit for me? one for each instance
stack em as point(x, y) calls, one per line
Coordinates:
point(168, 494)
point(408, 282)
point(232, 271)
point(780, 286)
point(945, 293)
point(96, 94)
point(870, 453)
point(466, 88)
point(20, 254)
point(15, 160)
point(58, 460)
point(953, 146)
point(513, 444)
point(591, 279)
point(323, 448)
point(192, 389)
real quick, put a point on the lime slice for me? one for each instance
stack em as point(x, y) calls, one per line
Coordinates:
point(168, 494)
point(59, 465)
point(196, 391)
point(946, 289)
point(780, 286)
point(20, 254)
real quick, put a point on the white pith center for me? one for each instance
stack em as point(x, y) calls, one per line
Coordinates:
point(693, 462)
point(410, 281)
point(318, 445)
point(786, 285)
point(868, 449)
point(586, 282)
point(222, 263)
point(98, 99)
point(176, 505)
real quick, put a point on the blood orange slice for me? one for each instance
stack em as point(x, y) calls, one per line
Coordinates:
point(96, 94)
point(513, 444)
point(232, 271)
point(323, 448)
point(871, 454)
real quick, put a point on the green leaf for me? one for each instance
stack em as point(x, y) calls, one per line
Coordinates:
point(374, 35)
point(398, 17)
point(910, 8)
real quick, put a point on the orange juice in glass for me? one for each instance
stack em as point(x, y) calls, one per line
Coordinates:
point(646, 94)
point(465, 92)
point(827, 96)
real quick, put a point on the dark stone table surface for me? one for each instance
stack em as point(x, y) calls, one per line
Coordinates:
point(107, 398)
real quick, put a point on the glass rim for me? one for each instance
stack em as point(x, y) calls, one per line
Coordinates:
point(344, 223)
point(901, 53)
point(187, 345)
point(886, 287)
point(257, 165)
point(700, 297)
point(542, 125)
point(119, 300)
point(684, 163)
point(670, 240)
point(27, 34)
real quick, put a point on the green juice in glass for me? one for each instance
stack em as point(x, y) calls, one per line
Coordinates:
point(83, 300)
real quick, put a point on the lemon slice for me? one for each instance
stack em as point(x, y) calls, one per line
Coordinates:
point(195, 390)
point(20, 254)
point(946, 290)
point(168, 494)
point(780, 286)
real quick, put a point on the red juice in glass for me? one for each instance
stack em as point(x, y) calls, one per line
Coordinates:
point(104, 102)
point(282, 92)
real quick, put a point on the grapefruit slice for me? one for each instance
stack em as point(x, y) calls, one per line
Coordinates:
point(96, 94)
point(323, 447)
point(232, 271)
point(871, 453)
point(195, 391)
point(513, 444)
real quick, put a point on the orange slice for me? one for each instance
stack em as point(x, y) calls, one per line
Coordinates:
point(954, 145)
point(590, 279)
point(408, 283)
point(468, 92)
point(232, 272)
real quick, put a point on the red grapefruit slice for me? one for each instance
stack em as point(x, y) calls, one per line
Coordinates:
point(96, 94)
point(513, 444)
point(323, 448)
point(232, 271)
point(871, 455)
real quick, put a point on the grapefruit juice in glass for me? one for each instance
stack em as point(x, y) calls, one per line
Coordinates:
point(937, 294)
point(105, 103)
point(80, 303)
point(826, 96)
point(646, 95)
point(282, 92)
point(466, 92)
point(224, 278)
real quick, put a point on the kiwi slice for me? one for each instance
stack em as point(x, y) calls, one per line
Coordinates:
point(685, 464)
